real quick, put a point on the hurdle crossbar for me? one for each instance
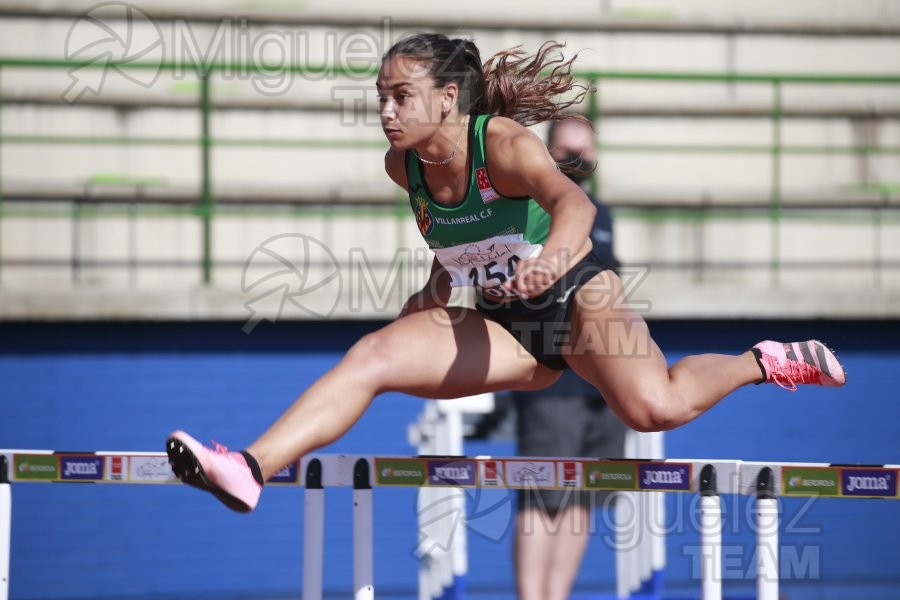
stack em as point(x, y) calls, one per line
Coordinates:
point(764, 480)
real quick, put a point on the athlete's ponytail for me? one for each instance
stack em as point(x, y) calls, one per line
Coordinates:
point(510, 84)
point(518, 88)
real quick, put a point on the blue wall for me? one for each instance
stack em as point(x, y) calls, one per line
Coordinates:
point(125, 386)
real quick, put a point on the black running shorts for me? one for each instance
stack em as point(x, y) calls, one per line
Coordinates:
point(541, 324)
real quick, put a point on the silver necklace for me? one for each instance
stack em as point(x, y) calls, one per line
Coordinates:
point(449, 159)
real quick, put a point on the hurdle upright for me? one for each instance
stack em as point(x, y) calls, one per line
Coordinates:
point(5, 527)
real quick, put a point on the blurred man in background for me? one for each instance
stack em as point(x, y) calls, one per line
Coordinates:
point(569, 418)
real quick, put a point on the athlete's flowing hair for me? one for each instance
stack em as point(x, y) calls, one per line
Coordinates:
point(510, 84)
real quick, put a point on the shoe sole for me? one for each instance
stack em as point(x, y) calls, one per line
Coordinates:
point(189, 470)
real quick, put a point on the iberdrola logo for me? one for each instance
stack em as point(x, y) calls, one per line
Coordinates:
point(806, 482)
point(423, 216)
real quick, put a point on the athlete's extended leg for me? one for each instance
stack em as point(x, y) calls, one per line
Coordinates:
point(436, 353)
point(611, 347)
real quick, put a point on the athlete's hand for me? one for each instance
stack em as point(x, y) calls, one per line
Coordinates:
point(533, 276)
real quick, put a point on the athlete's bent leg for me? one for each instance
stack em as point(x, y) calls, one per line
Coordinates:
point(611, 347)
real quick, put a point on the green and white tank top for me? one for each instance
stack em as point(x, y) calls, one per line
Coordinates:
point(480, 240)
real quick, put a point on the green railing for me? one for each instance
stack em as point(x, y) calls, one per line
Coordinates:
point(207, 207)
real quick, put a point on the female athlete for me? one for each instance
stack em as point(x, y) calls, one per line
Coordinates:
point(500, 217)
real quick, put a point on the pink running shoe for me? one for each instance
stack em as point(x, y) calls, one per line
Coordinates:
point(224, 474)
point(799, 362)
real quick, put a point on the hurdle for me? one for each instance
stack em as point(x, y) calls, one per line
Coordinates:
point(765, 481)
point(439, 431)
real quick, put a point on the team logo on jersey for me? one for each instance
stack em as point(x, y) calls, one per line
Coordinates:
point(487, 191)
point(423, 217)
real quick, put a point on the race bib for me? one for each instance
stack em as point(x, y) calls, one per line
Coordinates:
point(487, 264)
